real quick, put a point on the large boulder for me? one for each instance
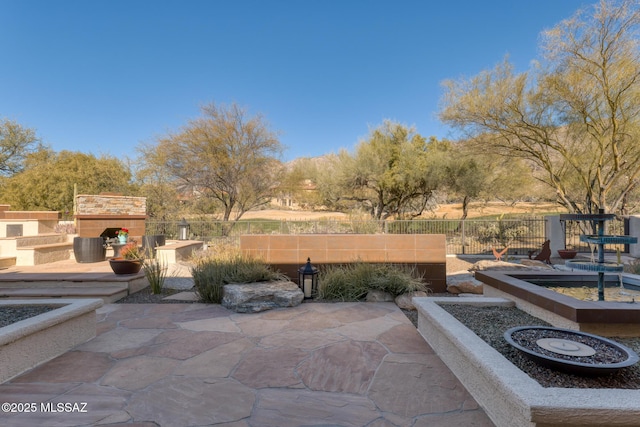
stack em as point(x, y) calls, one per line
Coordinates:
point(376, 295)
point(404, 301)
point(485, 265)
point(536, 265)
point(463, 282)
point(261, 296)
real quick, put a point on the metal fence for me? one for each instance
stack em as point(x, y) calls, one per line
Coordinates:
point(470, 237)
point(573, 230)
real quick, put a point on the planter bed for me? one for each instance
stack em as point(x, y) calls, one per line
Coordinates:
point(28, 343)
point(508, 395)
point(14, 313)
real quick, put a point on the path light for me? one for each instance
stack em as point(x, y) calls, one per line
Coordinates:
point(308, 279)
point(183, 229)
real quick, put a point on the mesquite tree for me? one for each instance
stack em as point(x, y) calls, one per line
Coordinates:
point(575, 117)
point(224, 156)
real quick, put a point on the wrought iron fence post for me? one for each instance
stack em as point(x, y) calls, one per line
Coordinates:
point(462, 239)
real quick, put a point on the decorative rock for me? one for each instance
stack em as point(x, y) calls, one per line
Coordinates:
point(255, 297)
point(485, 265)
point(376, 295)
point(537, 265)
point(405, 302)
point(463, 282)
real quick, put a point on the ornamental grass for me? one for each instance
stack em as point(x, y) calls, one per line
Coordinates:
point(155, 270)
point(211, 273)
point(352, 282)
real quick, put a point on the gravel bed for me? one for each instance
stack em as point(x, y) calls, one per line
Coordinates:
point(12, 314)
point(489, 323)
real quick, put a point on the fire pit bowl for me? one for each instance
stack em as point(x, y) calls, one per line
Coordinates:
point(571, 351)
point(567, 253)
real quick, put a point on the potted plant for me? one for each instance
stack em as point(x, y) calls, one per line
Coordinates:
point(130, 260)
point(122, 234)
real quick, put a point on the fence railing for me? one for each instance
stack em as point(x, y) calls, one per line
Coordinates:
point(470, 237)
point(573, 230)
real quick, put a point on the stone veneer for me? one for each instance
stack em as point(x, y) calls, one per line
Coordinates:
point(95, 213)
point(287, 253)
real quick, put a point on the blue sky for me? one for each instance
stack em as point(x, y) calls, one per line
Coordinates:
point(104, 76)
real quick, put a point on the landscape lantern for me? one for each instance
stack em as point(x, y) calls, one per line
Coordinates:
point(308, 279)
point(183, 230)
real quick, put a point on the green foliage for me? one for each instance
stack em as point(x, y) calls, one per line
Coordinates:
point(16, 143)
point(298, 179)
point(48, 180)
point(223, 159)
point(155, 270)
point(131, 251)
point(502, 232)
point(633, 267)
point(352, 282)
point(388, 175)
point(574, 117)
point(419, 226)
point(210, 274)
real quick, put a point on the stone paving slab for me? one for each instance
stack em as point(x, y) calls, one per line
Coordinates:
point(343, 364)
point(183, 296)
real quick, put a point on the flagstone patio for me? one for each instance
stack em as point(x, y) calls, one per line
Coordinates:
point(342, 364)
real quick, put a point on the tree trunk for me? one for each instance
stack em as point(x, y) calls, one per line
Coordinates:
point(465, 207)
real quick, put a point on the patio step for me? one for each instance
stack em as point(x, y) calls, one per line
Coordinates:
point(7, 261)
point(43, 254)
point(108, 286)
point(108, 294)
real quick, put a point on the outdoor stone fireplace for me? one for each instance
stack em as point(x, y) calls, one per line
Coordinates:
point(95, 213)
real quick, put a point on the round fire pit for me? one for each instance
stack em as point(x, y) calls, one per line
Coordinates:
point(567, 253)
point(570, 351)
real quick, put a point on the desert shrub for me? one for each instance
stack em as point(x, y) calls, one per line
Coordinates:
point(131, 251)
point(502, 232)
point(352, 282)
point(155, 270)
point(212, 273)
point(633, 267)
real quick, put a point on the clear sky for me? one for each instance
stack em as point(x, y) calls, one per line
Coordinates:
point(104, 76)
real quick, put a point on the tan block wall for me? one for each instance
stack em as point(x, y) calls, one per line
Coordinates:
point(427, 252)
point(30, 215)
point(33, 222)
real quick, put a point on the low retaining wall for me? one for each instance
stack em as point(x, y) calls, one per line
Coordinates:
point(287, 253)
point(607, 318)
point(177, 250)
point(33, 341)
point(509, 396)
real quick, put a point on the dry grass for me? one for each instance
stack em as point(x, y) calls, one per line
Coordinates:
point(449, 211)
